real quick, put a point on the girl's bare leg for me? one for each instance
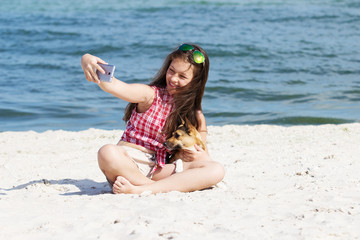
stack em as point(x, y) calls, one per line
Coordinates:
point(196, 176)
point(114, 162)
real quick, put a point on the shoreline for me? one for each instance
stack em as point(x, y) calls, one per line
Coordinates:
point(281, 182)
point(293, 121)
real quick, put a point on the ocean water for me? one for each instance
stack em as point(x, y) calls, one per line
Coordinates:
point(271, 62)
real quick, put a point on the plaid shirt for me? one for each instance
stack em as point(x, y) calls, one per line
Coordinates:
point(145, 129)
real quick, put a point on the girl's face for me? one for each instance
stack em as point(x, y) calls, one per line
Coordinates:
point(179, 74)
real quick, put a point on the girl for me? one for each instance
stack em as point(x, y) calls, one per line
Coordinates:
point(137, 163)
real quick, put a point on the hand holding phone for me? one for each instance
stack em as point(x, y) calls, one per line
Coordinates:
point(109, 72)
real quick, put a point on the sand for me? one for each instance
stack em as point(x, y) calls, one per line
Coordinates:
point(299, 182)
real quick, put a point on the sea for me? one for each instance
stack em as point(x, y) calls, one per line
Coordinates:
point(279, 62)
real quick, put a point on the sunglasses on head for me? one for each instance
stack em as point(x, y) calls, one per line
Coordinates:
point(197, 55)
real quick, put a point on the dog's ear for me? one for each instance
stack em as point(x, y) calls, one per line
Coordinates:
point(185, 125)
point(182, 126)
point(188, 126)
point(182, 123)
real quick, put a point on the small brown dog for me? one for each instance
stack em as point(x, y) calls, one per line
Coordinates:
point(185, 137)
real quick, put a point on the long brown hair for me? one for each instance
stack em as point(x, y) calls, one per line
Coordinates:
point(187, 100)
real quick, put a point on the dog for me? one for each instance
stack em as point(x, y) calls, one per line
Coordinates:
point(185, 137)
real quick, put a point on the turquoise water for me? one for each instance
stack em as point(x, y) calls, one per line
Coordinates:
point(272, 62)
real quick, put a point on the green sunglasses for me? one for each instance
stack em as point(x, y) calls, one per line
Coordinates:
point(197, 55)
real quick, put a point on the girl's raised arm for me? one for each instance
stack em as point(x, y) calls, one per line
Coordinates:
point(134, 93)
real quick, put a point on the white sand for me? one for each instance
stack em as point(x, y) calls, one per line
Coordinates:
point(281, 183)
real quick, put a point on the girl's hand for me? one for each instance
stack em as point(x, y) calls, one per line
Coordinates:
point(89, 64)
point(190, 155)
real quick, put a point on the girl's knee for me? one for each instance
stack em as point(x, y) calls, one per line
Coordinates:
point(217, 171)
point(107, 152)
point(104, 151)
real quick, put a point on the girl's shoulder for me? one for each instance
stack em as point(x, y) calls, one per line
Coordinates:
point(162, 93)
point(161, 90)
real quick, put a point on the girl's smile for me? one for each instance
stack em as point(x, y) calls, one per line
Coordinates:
point(179, 74)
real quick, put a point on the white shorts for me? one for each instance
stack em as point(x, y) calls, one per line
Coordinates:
point(144, 161)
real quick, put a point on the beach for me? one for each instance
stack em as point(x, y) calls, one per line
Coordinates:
point(297, 182)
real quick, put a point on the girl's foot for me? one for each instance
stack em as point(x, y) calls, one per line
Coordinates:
point(122, 185)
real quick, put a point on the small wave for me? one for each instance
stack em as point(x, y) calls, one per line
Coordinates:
point(225, 114)
point(354, 4)
point(253, 94)
point(357, 92)
point(44, 66)
point(282, 97)
point(107, 48)
point(352, 95)
point(295, 82)
point(211, 3)
point(221, 89)
point(300, 18)
point(131, 50)
point(39, 33)
point(62, 34)
point(11, 113)
point(154, 9)
point(304, 121)
point(346, 72)
point(241, 51)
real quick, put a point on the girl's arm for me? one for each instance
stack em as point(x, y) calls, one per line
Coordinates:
point(202, 129)
point(199, 154)
point(134, 93)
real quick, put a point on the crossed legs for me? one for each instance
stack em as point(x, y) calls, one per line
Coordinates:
point(114, 161)
point(123, 172)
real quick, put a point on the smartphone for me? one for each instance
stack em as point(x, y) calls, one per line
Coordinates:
point(109, 72)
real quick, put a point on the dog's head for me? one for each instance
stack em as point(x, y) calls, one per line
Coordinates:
point(183, 137)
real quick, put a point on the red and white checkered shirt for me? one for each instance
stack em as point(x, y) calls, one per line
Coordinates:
point(145, 129)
